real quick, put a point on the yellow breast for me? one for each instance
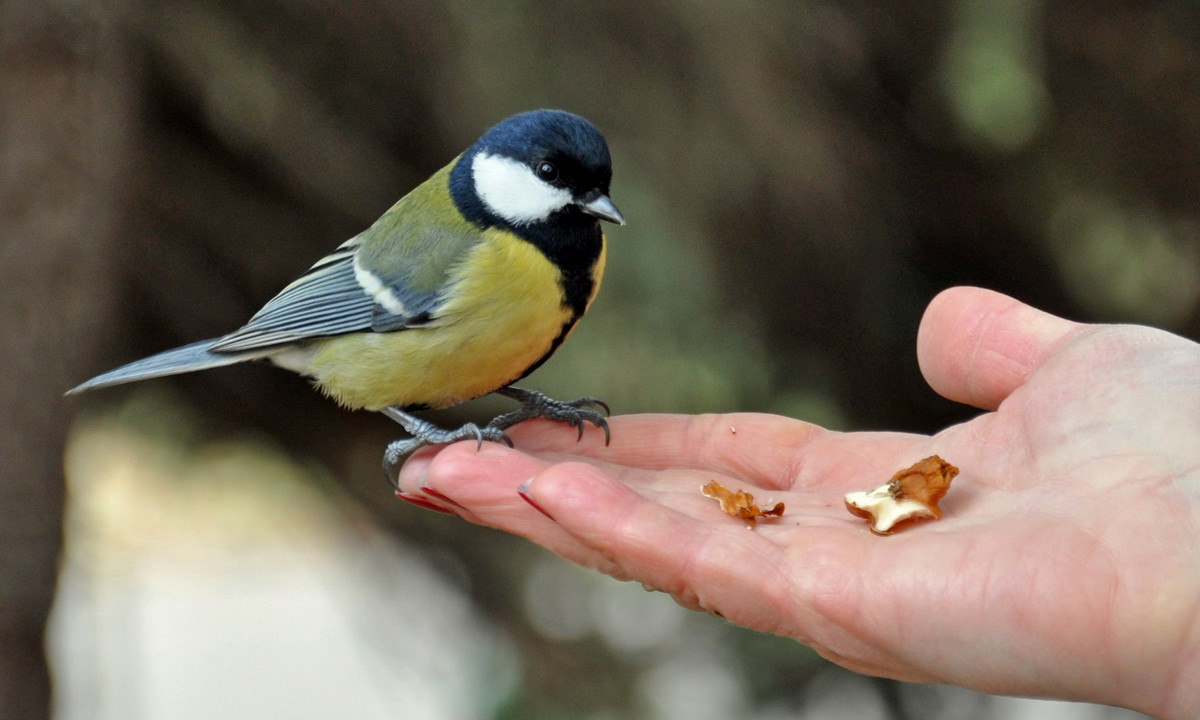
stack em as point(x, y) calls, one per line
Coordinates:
point(504, 311)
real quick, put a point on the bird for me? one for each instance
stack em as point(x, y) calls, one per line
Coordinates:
point(462, 288)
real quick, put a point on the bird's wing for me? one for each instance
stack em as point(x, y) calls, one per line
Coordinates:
point(339, 295)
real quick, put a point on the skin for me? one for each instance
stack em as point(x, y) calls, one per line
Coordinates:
point(1067, 563)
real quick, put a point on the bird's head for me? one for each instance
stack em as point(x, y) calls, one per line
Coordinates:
point(538, 167)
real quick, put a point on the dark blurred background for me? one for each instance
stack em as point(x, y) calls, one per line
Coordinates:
point(800, 179)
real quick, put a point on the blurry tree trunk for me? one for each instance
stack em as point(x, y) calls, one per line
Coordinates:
point(64, 112)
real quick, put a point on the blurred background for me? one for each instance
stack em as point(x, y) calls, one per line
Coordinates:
point(800, 178)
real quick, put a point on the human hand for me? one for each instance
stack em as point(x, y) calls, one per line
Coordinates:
point(1067, 563)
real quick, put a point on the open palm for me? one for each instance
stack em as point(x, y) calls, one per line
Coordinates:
point(1067, 563)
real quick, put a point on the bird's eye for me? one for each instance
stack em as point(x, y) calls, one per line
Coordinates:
point(546, 171)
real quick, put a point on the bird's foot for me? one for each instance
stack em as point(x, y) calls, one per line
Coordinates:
point(426, 433)
point(534, 405)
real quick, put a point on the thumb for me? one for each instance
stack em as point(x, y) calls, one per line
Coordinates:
point(976, 346)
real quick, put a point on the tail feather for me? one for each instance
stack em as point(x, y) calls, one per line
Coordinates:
point(188, 358)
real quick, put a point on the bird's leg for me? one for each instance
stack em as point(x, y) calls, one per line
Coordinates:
point(426, 433)
point(534, 404)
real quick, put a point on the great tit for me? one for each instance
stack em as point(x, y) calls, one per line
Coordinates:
point(463, 287)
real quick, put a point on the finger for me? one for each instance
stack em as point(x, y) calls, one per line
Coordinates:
point(759, 448)
point(976, 346)
point(482, 485)
point(701, 563)
point(795, 579)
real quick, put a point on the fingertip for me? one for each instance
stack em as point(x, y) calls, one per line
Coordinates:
point(415, 469)
point(631, 534)
point(572, 487)
point(977, 346)
point(524, 492)
point(455, 464)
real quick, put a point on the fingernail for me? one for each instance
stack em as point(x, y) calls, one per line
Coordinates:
point(440, 496)
point(423, 503)
point(412, 473)
point(523, 491)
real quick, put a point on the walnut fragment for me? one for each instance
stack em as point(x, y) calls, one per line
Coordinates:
point(911, 494)
point(739, 504)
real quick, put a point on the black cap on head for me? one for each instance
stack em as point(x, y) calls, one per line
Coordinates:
point(554, 135)
point(559, 148)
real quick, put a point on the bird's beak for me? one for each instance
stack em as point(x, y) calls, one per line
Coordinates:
point(597, 204)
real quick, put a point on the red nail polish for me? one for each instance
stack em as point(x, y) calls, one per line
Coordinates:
point(525, 496)
point(438, 495)
point(423, 503)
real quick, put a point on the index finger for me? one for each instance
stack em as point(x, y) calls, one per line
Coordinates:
point(742, 445)
point(766, 451)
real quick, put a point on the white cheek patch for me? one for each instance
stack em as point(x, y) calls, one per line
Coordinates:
point(511, 190)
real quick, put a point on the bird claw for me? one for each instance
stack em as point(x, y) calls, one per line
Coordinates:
point(533, 405)
point(572, 412)
point(426, 433)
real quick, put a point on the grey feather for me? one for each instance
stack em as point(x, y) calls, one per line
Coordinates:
point(326, 300)
point(197, 356)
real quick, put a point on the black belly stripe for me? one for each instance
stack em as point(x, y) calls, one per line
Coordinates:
point(574, 246)
point(570, 239)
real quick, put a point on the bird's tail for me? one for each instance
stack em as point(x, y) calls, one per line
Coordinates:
point(188, 358)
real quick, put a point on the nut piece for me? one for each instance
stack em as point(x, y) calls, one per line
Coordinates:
point(911, 494)
point(739, 504)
